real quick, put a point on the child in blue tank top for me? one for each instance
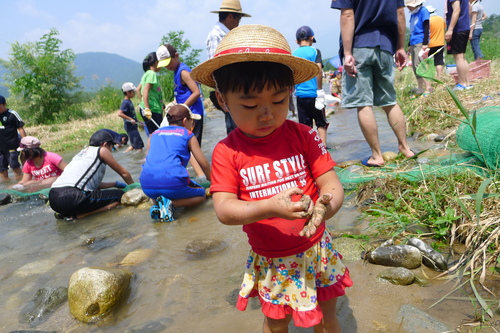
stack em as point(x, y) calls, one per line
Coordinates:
point(164, 176)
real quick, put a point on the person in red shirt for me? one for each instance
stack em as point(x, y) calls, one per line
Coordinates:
point(275, 177)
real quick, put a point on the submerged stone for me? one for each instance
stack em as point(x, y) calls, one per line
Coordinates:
point(203, 247)
point(45, 302)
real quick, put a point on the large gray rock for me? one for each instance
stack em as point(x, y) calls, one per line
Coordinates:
point(45, 302)
point(397, 275)
point(94, 291)
point(430, 257)
point(134, 197)
point(396, 256)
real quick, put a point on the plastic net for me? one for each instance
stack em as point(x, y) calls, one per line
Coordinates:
point(469, 158)
point(45, 192)
point(485, 145)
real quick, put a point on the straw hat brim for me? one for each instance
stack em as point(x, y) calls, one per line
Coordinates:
point(230, 11)
point(302, 69)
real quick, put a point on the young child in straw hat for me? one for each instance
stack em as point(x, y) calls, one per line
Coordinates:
point(276, 179)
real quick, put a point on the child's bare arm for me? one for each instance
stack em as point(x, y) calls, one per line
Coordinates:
point(330, 200)
point(194, 147)
point(233, 211)
point(191, 84)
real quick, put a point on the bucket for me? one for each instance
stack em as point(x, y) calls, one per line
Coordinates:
point(451, 69)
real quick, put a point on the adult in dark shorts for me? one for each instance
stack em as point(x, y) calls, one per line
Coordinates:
point(457, 36)
point(77, 192)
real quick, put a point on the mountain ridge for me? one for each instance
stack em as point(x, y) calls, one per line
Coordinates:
point(98, 69)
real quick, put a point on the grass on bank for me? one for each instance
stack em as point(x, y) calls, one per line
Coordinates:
point(462, 208)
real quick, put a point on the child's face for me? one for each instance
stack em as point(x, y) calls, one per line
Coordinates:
point(257, 114)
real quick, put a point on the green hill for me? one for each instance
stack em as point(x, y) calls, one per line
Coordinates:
point(98, 69)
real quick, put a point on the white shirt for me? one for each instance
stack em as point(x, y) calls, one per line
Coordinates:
point(214, 37)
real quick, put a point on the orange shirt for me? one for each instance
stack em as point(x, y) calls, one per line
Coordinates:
point(437, 27)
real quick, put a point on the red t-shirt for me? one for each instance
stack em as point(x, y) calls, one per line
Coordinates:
point(255, 169)
point(48, 169)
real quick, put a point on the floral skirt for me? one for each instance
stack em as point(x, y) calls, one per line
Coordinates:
point(293, 285)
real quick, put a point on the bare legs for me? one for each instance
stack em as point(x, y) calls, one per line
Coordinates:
point(369, 127)
point(462, 69)
point(329, 323)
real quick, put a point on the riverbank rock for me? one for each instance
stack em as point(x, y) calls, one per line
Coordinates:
point(396, 256)
point(134, 197)
point(5, 198)
point(398, 275)
point(45, 302)
point(389, 156)
point(94, 291)
point(416, 321)
point(204, 247)
point(430, 257)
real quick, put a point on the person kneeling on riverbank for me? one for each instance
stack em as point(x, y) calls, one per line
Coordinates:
point(77, 192)
point(40, 168)
point(164, 177)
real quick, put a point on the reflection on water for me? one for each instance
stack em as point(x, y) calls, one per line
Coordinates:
point(170, 288)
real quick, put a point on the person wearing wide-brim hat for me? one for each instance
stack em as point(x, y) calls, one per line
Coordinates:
point(257, 170)
point(230, 14)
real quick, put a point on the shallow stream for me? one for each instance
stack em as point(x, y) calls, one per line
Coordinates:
point(171, 287)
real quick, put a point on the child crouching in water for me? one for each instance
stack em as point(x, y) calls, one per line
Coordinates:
point(164, 176)
point(276, 179)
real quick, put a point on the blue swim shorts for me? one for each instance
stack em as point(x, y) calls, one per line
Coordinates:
point(373, 84)
point(193, 189)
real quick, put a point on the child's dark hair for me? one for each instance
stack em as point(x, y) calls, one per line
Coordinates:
point(172, 50)
point(31, 153)
point(252, 75)
point(149, 61)
point(124, 135)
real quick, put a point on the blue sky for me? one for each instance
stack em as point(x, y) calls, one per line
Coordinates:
point(134, 28)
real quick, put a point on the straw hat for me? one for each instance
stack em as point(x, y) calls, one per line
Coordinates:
point(253, 42)
point(231, 6)
point(414, 3)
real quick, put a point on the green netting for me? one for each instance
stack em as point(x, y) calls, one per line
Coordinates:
point(426, 68)
point(488, 136)
point(437, 167)
point(45, 191)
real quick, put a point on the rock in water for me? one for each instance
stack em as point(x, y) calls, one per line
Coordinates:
point(5, 198)
point(94, 291)
point(203, 247)
point(134, 197)
point(45, 302)
point(396, 256)
point(398, 275)
point(430, 257)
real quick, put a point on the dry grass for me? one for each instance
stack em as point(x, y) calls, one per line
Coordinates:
point(432, 114)
point(74, 134)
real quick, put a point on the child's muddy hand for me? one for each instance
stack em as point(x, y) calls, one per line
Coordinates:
point(292, 204)
point(318, 214)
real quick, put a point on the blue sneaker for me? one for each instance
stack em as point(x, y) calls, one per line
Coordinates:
point(166, 209)
point(154, 211)
point(459, 87)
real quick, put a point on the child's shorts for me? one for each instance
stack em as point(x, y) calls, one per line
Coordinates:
point(191, 190)
point(293, 285)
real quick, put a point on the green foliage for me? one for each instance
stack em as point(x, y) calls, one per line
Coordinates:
point(41, 79)
point(187, 55)
point(109, 98)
